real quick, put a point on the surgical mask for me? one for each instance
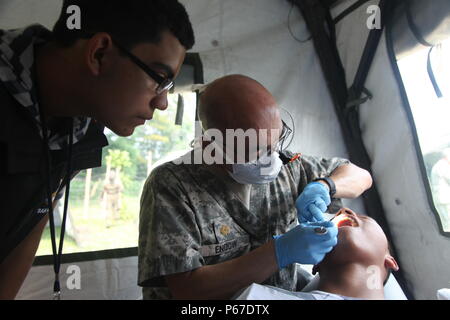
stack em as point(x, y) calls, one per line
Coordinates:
point(262, 171)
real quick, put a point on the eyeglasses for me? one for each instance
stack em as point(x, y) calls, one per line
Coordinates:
point(164, 84)
point(285, 134)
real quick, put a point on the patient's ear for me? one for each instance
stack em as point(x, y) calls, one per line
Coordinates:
point(390, 263)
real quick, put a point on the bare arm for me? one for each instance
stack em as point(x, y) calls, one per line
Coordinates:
point(15, 267)
point(351, 181)
point(223, 280)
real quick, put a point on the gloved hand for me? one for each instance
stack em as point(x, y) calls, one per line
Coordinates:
point(304, 245)
point(313, 202)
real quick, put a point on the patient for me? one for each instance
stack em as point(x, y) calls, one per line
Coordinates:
point(360, 263)
point(357, 267)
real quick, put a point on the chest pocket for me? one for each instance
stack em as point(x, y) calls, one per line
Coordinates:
point(230, 242)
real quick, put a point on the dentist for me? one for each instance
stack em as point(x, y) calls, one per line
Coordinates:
point(209, 230)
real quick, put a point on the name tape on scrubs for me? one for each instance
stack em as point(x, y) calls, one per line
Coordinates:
point(224, 247)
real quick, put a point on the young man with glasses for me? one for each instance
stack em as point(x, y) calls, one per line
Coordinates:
point(209, 230)
point(57, 92)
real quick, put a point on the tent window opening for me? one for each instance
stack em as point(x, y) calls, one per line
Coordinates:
point(104, 202)
point(426, 78)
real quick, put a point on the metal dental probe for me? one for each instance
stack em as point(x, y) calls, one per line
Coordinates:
point(320, 230)
point(323, 230)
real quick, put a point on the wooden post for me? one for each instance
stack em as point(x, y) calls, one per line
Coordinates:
point(87, 189)
point(149, 162)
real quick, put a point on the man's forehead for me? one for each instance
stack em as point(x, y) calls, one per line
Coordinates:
point(169, 71)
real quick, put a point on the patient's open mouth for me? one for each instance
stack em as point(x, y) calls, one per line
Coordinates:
point(344, 220)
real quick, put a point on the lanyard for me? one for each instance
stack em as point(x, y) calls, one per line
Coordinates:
point(57, 252)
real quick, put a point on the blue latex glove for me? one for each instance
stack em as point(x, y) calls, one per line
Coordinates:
point(303, 245)
point(313, 202)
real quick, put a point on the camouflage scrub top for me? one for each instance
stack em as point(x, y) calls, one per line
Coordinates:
point(189, 218)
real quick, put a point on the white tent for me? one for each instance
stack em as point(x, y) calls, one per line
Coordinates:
point(270, 41)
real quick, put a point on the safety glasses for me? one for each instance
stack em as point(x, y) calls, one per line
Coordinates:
point(285, 134)
point(280, 146)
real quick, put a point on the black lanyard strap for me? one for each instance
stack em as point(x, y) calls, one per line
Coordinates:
point(57, 252)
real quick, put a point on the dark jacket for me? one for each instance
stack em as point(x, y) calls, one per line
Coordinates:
point(23, 172)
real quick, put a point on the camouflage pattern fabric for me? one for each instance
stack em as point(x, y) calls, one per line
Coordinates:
point(189, 218)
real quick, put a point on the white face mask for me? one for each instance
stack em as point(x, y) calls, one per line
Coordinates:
point(264, 170)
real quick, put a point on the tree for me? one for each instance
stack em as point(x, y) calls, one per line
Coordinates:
point(118, 159)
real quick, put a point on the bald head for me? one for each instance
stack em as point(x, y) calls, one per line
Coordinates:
point(238, 102)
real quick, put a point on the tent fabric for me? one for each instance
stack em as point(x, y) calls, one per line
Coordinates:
point(417, 23)
point(389, 139)
point(251, 37)
point(20, 13)
point(109, 279)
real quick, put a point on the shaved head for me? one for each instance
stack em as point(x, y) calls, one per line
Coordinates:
point(241, 121)
point(238, 102)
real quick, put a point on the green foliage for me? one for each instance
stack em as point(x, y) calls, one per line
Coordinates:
point(118, 159)
point(129, 210)
point(162, 135)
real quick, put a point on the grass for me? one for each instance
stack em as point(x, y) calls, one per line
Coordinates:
point(45, 247)
point(93, 232)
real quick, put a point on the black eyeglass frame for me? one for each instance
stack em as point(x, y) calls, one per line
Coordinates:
point(164, 84)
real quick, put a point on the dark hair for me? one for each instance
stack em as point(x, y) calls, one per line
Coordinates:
point(129, 21)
